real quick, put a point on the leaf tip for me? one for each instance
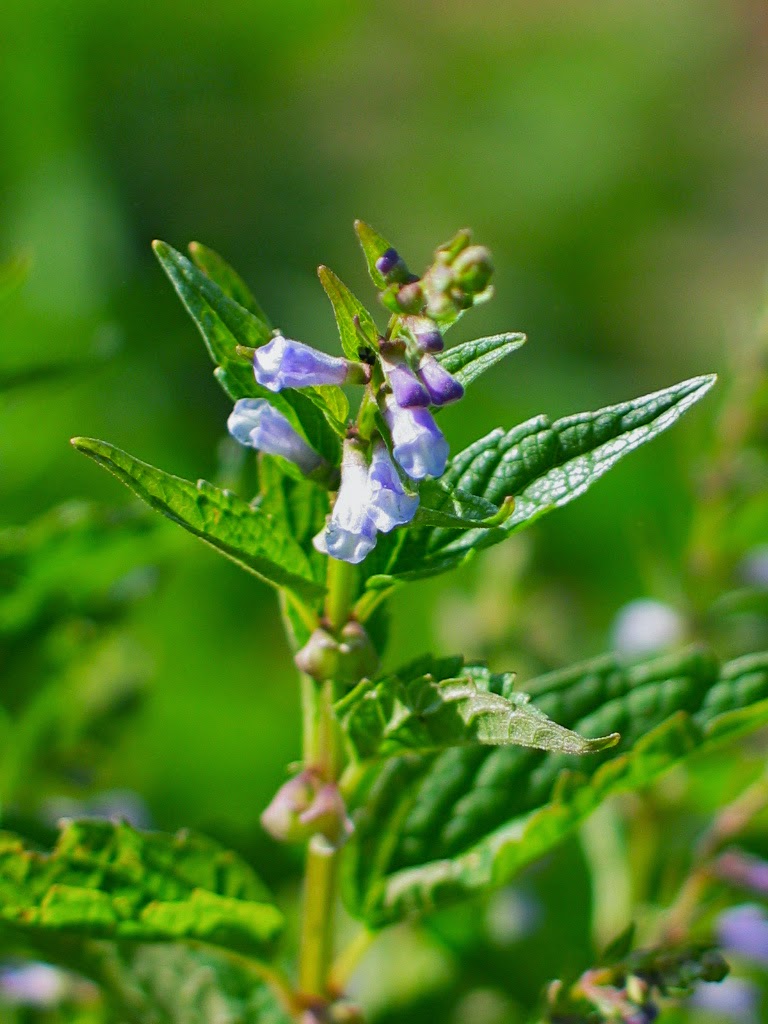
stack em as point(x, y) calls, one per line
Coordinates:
point(160, 248)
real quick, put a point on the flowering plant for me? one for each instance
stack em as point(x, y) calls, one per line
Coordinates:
point(421, 785)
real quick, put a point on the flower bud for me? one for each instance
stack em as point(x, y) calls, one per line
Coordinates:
point(392, 267)
point(406, 299)
point(473, 269)
point(282, 818)
point(346, 661)
point(441, 386)
point(406, 387)
point(327, 816)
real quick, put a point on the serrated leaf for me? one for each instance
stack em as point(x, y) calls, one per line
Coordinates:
point(543, 465)
point(109, 881)
point(466, 362)
point(373, 246)
point(347, 309)
point(456, 509)
point(230, 282)
point(249, 537)
point(434, 828)
point(414, 712)
point(224, 324)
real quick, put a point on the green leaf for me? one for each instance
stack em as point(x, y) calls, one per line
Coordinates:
point(434, 828)
point(543, 465)
point(241, 532)
point(349, 312)
point(439, 506)
point(224, 324)
point(466, 362)
point(373, 246)
point(230, 282)
point(418, 711)
point(109, 881)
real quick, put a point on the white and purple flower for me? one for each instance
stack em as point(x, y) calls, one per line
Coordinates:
point(255, 423)
point(283, 363)
point(371, 500)
point(350, 533)
point(417, 442)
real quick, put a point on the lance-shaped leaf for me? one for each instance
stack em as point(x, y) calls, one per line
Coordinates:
point(109, 881)
point(355, 323)
point(466, 362)
point(434, 828)
point(230, 282)
point(224, 325)
point(543, 465)
point(456, 509)
point(250, 537)
point(373, 246)
point(412, 711)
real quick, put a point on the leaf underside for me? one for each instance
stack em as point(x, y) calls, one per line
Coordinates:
point(434, 828)
point(109, 881)
point(418, 710)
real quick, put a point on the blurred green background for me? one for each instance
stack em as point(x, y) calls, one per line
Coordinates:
point(612, 154)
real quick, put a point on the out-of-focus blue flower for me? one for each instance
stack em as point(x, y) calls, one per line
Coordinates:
point(390, 505)
point(744, 930)
point(350, 533)
point(733, 998)
point(254, 422)
point(32, 984)
point(417, 443)
point(283, 363)
point(442, 387)
point(646, 627)
point(743, 869)
point(406, 387)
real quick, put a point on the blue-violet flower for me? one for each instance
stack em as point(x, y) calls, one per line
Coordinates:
point(406, 387)
point(390, 505)
point(283, 363)
point(442, 387)
point(417, 443)
point(255, 423)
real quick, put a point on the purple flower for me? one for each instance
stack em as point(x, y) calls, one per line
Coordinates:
point(417, 443)
point(390, 505)
point(744, 930)
point(388, 261)
point(350, 533)
point(406, 387)
point(254, 422)
point(32, 984)
point(442, 387)
point(283, 363)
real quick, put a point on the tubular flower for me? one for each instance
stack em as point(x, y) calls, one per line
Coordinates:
point(406, 387)
point(390, 505)
point(418, 445)
point(350, 533)
point(442, 387)
point(255, 423)
point(283, 363)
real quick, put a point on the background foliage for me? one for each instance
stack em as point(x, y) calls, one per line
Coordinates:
point(613, 157)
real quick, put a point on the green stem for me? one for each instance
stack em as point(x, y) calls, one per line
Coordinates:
point(323, 750)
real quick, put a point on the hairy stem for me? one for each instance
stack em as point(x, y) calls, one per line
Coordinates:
point(323, 750)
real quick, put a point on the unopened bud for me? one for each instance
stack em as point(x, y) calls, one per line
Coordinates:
point(406, 299)
point(392, 267)
point(346, 661)
point(283, 817)
point(327, 816)
point(448, 251)
point(473, 269)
